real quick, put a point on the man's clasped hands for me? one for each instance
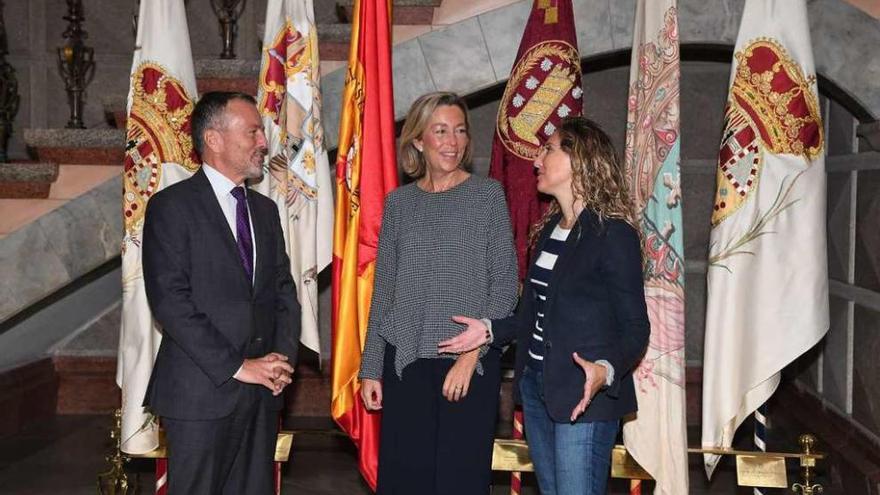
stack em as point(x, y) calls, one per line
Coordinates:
point(271, 371)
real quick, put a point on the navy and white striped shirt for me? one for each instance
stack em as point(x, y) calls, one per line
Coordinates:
point(540, 279)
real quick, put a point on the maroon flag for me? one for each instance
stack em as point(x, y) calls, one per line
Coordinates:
point(543, 88)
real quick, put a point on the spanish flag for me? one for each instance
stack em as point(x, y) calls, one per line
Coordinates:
point(366, 170)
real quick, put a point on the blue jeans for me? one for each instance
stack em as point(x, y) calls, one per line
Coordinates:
point(569, 458)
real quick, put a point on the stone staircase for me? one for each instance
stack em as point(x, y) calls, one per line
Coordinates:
point(19, 180)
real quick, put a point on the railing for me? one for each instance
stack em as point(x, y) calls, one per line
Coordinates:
point(753, 469)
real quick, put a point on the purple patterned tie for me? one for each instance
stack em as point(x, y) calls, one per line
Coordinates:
point(243, 232)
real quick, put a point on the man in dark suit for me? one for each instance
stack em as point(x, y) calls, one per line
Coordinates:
point(218, 281)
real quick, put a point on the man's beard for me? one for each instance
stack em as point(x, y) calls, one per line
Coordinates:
point(255, 167)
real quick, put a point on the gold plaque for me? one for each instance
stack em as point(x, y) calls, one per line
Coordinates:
point(624, 466)
point(511, 455)
point(764, 471)
point(283, 445)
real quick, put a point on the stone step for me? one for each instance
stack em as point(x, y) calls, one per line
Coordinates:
point(115, 108)
point(333, 41)
point(21, 180)
point(227, 75)
point(77, 146)
point(403, 11)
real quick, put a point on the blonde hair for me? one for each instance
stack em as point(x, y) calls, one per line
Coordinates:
point(597, 175)
point(411, 159)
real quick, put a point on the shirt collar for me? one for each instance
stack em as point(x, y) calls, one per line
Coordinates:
point(221, 184)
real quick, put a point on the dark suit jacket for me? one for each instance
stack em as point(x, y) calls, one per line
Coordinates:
point(212, 317)
point(596, 307)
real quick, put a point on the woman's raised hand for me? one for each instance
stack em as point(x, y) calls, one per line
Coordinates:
point(594, 378)
point(474, 335)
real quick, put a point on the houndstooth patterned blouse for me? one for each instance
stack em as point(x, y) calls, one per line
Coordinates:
point(440, 255)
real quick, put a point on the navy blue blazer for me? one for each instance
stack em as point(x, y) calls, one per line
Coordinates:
point(212, 316)
point(596, 307)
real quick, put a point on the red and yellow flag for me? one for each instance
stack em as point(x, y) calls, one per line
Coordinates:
point(366, 170)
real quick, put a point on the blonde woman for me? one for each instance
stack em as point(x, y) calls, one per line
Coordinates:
point(445, 248)
point(582, 324)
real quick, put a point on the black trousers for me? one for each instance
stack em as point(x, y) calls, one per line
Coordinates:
point(231, 455)
point(432, 446)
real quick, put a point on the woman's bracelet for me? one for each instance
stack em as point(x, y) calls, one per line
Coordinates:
point(490, 336)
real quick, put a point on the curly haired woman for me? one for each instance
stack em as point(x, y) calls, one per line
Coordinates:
point(582, 324)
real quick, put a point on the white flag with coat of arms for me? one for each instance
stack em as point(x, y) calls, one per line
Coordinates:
point(767, 277)
point(158, 153)
point(297, 175)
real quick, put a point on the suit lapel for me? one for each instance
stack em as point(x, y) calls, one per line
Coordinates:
point(578, 233)
point(216, 217)
point(262, 237)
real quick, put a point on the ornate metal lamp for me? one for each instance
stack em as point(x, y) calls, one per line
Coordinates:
point(808, 464)
point(76, 61)
point(114, 481)
point(9, 98)
point(228, 12)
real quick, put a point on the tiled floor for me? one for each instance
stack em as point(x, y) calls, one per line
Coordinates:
point(63, 456)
